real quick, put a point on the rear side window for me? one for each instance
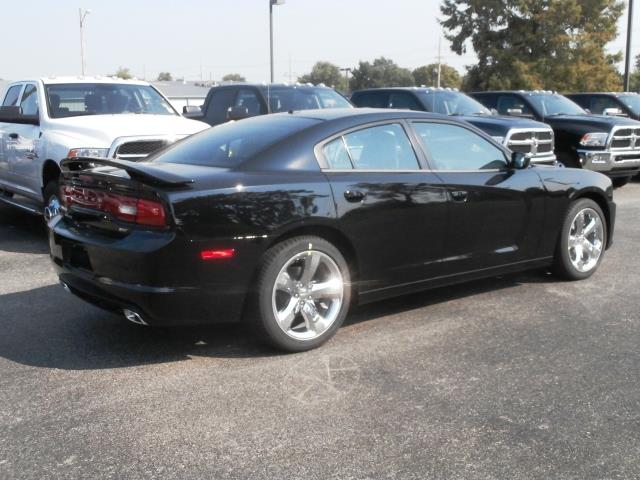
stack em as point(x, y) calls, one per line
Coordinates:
point(371, 99)
point(451, 147)
point(404, 101)
point(219, 104)
point(231, 144)
point(510, 104)
point(384, 147)
point(11, 98)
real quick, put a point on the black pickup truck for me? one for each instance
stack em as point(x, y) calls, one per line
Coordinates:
point(517, 134)
point(620, 104)
point(607, 144)
point(242, 100)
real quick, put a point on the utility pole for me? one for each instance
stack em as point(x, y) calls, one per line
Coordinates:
point(439, 59)
point(271, 4)
point(82, 15)
point(627, 62)
point(346, 71)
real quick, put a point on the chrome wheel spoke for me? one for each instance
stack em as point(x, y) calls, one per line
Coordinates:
point(311, 264)
point(330, 289)
point(311, 316)
point(590, 227)
point(287, 315)
point(586, 239)
point(284, 283)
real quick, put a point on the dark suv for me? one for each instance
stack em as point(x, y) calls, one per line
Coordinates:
point(610, 145)
point(519, 135)
point(238, 101)
point(624, 104)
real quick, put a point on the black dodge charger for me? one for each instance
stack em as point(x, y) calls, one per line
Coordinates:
point(286, 220)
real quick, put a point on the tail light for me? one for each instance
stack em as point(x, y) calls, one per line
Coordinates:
point(128, 209)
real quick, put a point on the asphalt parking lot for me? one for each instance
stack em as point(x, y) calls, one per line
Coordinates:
point(521, 377)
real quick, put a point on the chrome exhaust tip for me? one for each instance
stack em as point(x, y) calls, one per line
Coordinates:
point(134, 317)
point(66, 287)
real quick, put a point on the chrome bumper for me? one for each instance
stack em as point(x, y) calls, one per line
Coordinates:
point(609, 160)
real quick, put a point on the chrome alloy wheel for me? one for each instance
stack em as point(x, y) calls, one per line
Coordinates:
point(52, 209)
point(586, 240)
point(307, 295)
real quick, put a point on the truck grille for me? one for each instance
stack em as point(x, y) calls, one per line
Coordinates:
point(626, 138)
point(138, 149)
point(531, 142)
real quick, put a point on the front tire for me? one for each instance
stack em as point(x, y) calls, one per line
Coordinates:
point(582, 241)
point(303, 293)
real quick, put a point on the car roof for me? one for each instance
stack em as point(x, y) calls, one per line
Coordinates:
point(615, 94)
point(265, 86)
point(409, 89)
point(80, 79)
point(366, 114)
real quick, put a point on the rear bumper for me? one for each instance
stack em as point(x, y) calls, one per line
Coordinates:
point(151, 277)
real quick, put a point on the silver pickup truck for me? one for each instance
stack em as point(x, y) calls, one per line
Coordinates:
point(45, 120)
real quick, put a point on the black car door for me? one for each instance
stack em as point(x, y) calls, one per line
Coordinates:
point(392, 210)
point(496, 213)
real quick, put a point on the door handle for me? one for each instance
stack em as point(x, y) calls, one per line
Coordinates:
point(14, 136)
point(354, 195)
point(460, 196)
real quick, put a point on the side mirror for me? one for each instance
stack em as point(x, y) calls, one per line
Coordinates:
point(613, 112)
point(14, 115)
point(514, 111)
point(520, 161)
point(237, 113)
point(191, 109)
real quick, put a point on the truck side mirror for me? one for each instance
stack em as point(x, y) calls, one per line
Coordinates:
point(191, 110)
point(14, 115)
point(613, 112)
point(237, 113)
point(520, 161)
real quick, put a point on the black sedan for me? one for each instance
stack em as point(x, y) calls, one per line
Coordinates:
point(284, 221)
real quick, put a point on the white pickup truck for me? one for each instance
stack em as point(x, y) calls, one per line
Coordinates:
point(46, 120)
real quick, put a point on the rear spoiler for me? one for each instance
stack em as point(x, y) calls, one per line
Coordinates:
point(143, 172)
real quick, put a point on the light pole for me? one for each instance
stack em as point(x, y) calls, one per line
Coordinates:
point(627, 61)
point(346, 71)
point(83, 14)
point(271, 4)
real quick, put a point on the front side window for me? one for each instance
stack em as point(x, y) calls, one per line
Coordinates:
point(249, 99)
point(451, 147)
point(512, 105)
point(453, 103)
point(29, 102)
point(82, 99)
point(371, 99)
point(285, 99)
point(403, 101)
point(384, 147)
point(219, 104)
point(553, 104)
point(11, 98)
point(599, 104)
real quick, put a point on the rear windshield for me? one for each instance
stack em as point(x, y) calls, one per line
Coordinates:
point(231, 144)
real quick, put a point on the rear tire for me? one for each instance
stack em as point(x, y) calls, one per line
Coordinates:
point(303, 294)
point(582, 241)
point(620, 181)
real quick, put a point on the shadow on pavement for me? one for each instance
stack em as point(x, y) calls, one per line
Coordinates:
point(46, 327)
point(22, 232)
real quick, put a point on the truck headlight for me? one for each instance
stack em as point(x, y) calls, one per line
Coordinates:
point(594, 139)
point(88, 152)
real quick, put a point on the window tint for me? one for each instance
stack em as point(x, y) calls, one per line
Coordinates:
point(599, 104)
point(371, 99)
point(231, 144)
point(336, 154)
point(11, 98)
point(511, 102)
point(219, 105)
point(404, 101)
point(455, 148)
point(249, 99)
point(489, 100)
point(385, 147)
point(284, 99)
point(29, 102)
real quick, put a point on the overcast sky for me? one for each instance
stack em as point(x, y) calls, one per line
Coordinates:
point(209, 38)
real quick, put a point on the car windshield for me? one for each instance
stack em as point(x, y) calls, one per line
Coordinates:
point(285, 99)
point(75, 99)
point(232, 143)
point(552, 104)
point(453, 103)
point(632, 102)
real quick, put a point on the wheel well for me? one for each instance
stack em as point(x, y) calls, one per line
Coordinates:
point(602, 203)
point(50, 172)
point(332, 235)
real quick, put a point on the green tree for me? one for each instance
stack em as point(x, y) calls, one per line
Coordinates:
point(536, 44)
point(164, 77)
point(383, 72)
point(123, 73)
point(427, 75)
point(233, 77)
point(327, 73)
point(634, 80)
